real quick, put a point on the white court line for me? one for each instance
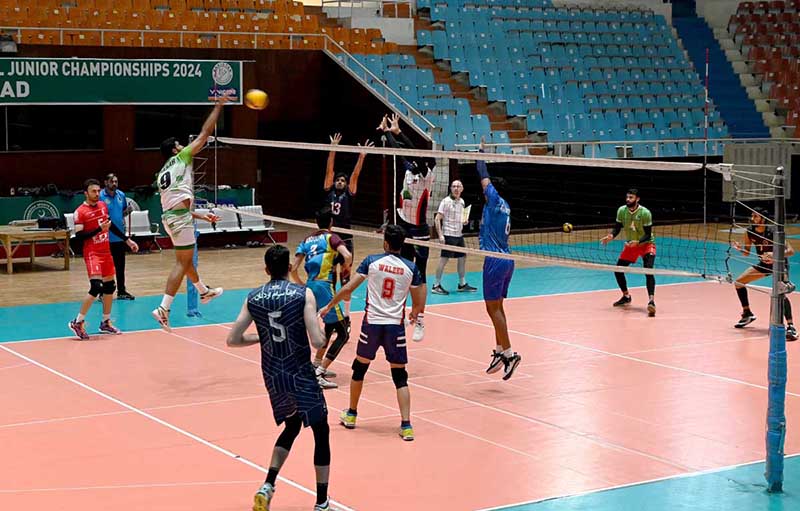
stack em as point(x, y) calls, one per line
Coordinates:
point(166, 424)
point(14, 366)
point(629, 485)
point(619, 355)
point(525, 418)
point(129, 486)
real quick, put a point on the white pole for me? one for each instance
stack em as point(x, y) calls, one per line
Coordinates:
point(394, 189)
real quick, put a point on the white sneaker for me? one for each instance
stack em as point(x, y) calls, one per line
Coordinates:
point(419, 331)
point(325, 506)
point(162, 316)
point(325, 384)
point(209, 295)
point(325, 372)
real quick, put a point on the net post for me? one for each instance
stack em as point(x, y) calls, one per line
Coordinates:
point(776, 414)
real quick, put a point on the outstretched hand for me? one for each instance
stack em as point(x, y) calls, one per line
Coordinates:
point(384, 125)
point(367, 143)
point(336, 138)
point(395, 124)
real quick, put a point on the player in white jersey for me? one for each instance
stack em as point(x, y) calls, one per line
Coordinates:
point(176, 185)
point(390, 278)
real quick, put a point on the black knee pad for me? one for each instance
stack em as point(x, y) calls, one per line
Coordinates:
point(400, 377)
point(342, 336)
point(109, 287)
point(322, 443)
point(359, 370)
point(95, 287)
point(291, 428)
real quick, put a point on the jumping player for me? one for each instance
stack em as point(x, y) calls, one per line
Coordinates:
point(320, 251)
point(283, 313)
point(176, 185)
point(637, 223)
point(497, 272)
point(759, 235)
point(92, 225)
point(390, 279)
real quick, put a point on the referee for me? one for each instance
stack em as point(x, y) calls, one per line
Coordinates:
point(450, 224)
point(117, 211)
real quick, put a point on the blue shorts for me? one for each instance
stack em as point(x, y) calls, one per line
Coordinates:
point(391, 337)
point(299, 394)
point(323, 294)
point(496, 278)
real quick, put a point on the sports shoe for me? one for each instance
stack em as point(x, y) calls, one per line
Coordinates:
point(347, 420)
point(325, 372)
point(125, 296)
point(466, 288)
point(78, 328)
point(107, 327)
point(625, 300)
point(325, 506)
point(791, 333)
point(407, 433)
point(325, 384)
point(263, 497)
point(494, 364)
point(419, 330)
point(747, 318)
point(439, 290)
point(209, 295)
point(162, 316)
point(651, 309)
point(510, 364)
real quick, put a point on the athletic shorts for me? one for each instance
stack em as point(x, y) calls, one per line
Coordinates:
point(296, 394)
point(632, 254)
point(455, 241)
point(392, 338)
point(415, 253)
point(496, 278)
point(179, 225)
point(766, 269)
point(99, 264)
point(323, 294)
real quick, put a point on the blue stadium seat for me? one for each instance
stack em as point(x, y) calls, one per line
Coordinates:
point(424, 38)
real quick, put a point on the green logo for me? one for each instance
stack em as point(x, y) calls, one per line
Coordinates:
point(40, 209)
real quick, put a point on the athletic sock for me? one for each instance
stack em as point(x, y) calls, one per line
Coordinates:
point(166, 302)
point(106, 317)
point(405, 424)
point(272, 476)
point(201, 288)
point(508, 353)
point(322, 493)
point(350, 411)
point(498, 349)
point(79, 317)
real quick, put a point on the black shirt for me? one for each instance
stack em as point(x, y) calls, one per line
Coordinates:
point(340, 206)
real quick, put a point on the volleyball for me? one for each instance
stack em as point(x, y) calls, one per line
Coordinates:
point(256, 99)
point(567, 227)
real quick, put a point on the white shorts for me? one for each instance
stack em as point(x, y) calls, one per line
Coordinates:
point(179, 224)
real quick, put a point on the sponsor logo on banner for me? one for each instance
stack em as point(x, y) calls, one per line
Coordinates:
point(40, 209)
point(222, 73)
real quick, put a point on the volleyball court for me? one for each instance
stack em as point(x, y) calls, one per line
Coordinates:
point(604, 397)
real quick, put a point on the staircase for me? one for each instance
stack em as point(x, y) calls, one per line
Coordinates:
point(730, 97)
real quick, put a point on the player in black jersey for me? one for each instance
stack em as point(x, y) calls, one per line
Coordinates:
point(759, 235)
point(283, 312)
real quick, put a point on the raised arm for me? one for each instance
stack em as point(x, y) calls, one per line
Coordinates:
point(480, 166)
point(237, 337)
point(315, 334)
point(199, 143)
point(335, 139)
point(358, 167)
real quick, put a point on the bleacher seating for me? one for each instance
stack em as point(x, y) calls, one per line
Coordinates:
point(768, 35)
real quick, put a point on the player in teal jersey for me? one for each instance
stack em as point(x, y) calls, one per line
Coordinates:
point(637, 223)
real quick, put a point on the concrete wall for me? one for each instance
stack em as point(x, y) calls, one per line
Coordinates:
point(717, 12)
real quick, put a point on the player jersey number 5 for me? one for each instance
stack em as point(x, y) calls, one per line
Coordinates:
point(277, 331)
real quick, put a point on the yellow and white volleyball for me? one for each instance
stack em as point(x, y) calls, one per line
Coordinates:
point(567, 227)
point(256, 99)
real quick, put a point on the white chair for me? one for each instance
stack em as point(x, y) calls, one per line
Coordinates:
point(70, 218)
point(140, 227)
point(255, 224)
point(228, 220)
point(202, 226)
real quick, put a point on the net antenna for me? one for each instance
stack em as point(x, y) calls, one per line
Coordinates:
point(749, 185)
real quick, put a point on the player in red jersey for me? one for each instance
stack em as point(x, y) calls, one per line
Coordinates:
point(91, 227)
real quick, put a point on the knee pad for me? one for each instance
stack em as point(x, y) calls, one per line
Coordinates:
point(109, 287)
point(95, 287)
point(359, 370)
point(400, 377)
point(342, 336)
point(322, 445)
point(291, 429)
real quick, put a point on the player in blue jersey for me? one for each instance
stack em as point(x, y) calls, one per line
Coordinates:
point(493, 237)
point(321, 251)
point(390, 279)
point(283, 312)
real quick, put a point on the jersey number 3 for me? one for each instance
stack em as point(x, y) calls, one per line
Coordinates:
point(278, 332)
point(388, 288)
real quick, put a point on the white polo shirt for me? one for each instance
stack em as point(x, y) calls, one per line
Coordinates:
point(452, 212)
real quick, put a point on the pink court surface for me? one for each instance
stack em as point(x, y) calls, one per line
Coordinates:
point(603, 398)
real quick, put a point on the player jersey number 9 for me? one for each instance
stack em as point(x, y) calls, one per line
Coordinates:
point(388, 288)
point(165, 180)
point(278, 331)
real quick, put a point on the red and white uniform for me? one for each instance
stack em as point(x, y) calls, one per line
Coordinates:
point(96, 250)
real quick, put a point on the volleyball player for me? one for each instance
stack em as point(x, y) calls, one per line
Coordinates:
point(390, 278)
point(759, 235)
point(176, 185)
point(320, 251)
point(450, 226)
point(637, 223)
point(286, 315)
point(497, 272)
point(92, 225)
